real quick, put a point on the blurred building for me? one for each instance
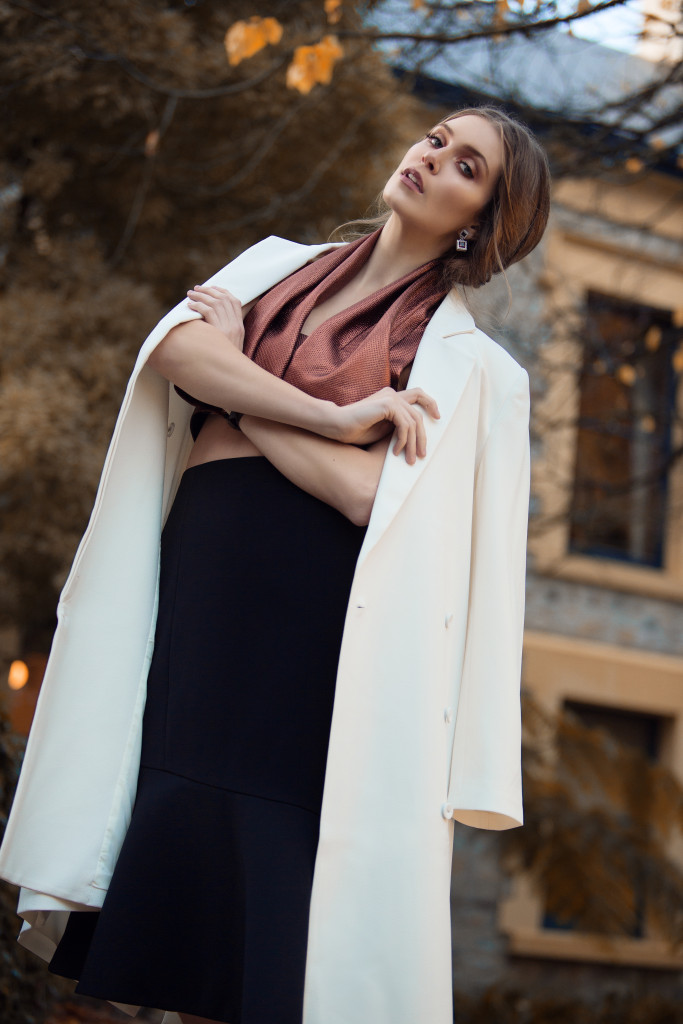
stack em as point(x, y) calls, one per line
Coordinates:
point(597, 318)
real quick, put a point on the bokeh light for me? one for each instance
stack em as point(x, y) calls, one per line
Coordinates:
point(18, 675)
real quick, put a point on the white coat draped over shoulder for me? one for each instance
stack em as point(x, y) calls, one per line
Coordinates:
point(426, 721)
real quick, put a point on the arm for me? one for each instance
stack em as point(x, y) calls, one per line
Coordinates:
point(202, 361)
point(341, 475)
point(206, 360)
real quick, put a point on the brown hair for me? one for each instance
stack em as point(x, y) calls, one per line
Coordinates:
point(514, 219)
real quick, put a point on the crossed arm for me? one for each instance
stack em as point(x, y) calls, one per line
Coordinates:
point(312, 442)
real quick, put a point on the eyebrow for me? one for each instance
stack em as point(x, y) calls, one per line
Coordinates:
point(466, 146)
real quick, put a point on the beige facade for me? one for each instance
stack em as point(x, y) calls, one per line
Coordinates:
point(623, 241)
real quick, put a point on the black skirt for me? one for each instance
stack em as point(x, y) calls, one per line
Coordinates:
point(207, 911)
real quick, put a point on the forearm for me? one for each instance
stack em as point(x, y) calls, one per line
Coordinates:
point(201, 361)
point(341, 475)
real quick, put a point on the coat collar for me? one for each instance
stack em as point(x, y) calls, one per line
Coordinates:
point(443, 365)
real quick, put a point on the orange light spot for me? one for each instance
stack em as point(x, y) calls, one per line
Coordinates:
point(653, 338)
point(626, 374)
point(18, 675)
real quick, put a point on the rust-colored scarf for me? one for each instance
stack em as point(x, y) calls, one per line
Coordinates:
point(355, 352)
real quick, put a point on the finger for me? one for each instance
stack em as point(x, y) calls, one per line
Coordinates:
point(410, 445)
point(206, 296)
point(198, 296)
point(401, 436)
point(420, 397)
point(217, 293)
point(200, 307)
point(420, 437)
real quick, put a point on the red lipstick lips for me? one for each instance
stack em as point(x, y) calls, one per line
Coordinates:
point(413, 179)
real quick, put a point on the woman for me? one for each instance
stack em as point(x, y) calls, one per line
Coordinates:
point(234, 881)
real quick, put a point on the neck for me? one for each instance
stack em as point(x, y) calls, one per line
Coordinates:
point(398, 250)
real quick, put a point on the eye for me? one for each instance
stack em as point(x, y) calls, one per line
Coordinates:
point(435, 140)
point(465, 168)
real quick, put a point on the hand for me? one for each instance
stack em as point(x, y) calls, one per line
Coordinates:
point(221, 309)
point(362, 421)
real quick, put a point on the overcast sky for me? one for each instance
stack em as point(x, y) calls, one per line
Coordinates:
point(617, 27)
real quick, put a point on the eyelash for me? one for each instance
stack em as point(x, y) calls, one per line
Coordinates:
point(469, 173)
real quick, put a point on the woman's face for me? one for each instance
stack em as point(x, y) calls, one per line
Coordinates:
point(447, 178)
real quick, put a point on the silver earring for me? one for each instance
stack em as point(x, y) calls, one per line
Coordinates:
point(461, 244)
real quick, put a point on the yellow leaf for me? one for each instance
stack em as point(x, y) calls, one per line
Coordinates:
point(500, 13)
point(312, 64)
point(634, 164)
point(333, 11)
point(677, 359)
point(152, 142)
point(245, 38)
point(626, 374)
point(653, 337)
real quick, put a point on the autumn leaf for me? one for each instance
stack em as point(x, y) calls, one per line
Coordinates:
point(502, 9)
point(677, 360)
point(653, 337)
point(634, 164)
point(333, 11)
point(584, 6)
point(312, 64)
point(152, 142)
point(245, 38)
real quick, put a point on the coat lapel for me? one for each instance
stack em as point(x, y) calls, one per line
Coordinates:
point(443, 365)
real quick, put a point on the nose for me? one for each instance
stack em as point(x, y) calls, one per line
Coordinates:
point(430, 160)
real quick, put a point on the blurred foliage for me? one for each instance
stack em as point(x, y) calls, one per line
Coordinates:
point(600, 819)
point(134, 162)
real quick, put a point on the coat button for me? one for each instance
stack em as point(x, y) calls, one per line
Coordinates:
point(448, 714)
point(447, 811)
point(171, 428)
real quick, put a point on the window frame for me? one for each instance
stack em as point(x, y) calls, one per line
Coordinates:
point(576, 264)
point(558, 669)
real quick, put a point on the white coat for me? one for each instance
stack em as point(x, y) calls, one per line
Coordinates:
point(426, 722)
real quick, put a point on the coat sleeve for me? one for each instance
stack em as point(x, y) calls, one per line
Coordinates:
point(485, 787)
